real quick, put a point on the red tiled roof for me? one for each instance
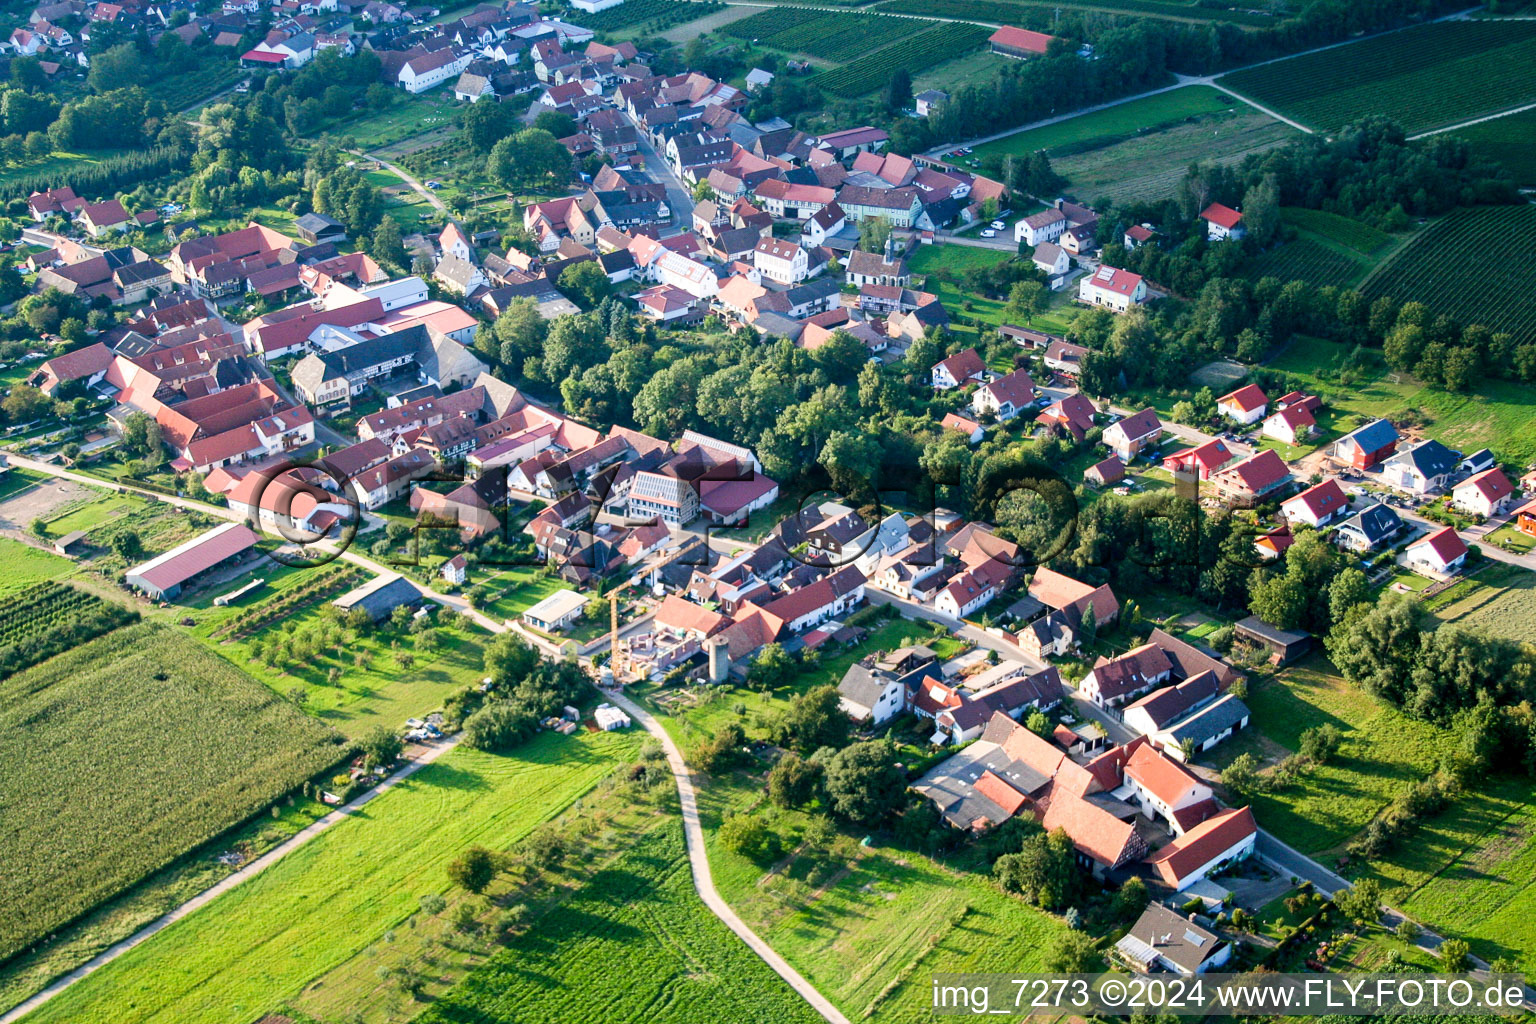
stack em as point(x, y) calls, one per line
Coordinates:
point(1322, 500)
point(1260, 472)
point(963, 364)
point(1224, 216)
point(1491, 484)
point(1159, 775)
point(1203, 844)
point(685, 616)
point(1445, 543)
point(204, 553)
point(1021, 39)
point(954, 421)
point(995, 788)
point(1094, 831)
point(1140, 424)
point(1245, 399)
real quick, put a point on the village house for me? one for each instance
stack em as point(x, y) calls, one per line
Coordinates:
point(1134, 434)
point(1245, 406)
point(1163, 942)
point(1486, 494)
point(1366, 446)
point(1293, 424)
point(1316, 506)
point(1255, 477)
point(1222, 222)
point(1437, 555)
point(1425, 468)
point(1113, 288)
point(1368, 529)
point(1005, 397)
point(783, 261)
point(962, 368)
point(1202, 460)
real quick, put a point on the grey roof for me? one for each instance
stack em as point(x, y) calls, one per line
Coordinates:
point(455, 269)
point(1209, 721)
point(1375, 523)
point(443, 359)
point(380, 596)
point(318, 222)
point(863, 685)
point(1175, 939)
point(1374, 436)
point(1430, 458)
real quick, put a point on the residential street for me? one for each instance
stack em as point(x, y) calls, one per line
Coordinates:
point(658, 170)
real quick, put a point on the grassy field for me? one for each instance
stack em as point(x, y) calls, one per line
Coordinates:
point(916, 53)
point(1422, 77)
point(262, 943)
point(835, 37)
point(378, 691)
point(520, 588)
point(407, 116)
point(1499, 601)
point(1116, 125)
point(868, 925)
point(1484, 896)
point(22, 565)
point(1507, 141)
point(634, 943)
point(54, 163)
point(1383, 750)
point(109, 782)
point(1147, 165)
point(1497, 415)
point(1445, 268)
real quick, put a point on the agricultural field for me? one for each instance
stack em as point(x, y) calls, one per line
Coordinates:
point(1104, 129)
point(869, 925)
point(832, 37)
point(917, 53)
point(1383, 749)
point(192, 748)
point(1148, 166)
point(655, 14)
point(1307, 259)
point(633, 943)
point(1497, 415)
point(1446, 267)
point(1508, 141)
point(263, 943)
point(1008, 11)
point(48, 618)
point(1484, 896)
point(1423, 77)
point(1500, 600)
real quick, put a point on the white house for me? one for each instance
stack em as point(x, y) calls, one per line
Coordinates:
point(1316, 506)
point(1486, 494)
point(1113, 288)
point(1045, 226)
point(1293, 424)
point(1005, 397)
point(422, 73)
point(1222, 222)
point(455, 570)
point(964, 367)
point(782, 261)
point(1423, 469)
point(1053, 262)
point(871, 694)
point(1245, 406)
point(1220, 840)
point(824, 223)
point(1439, 554)
point(971, 591)
point(556, 612)
point(1162, 788)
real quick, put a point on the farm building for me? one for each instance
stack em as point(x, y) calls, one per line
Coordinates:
point(1284, 645)
point(164, 577)
point(380, 596)
point(555, 612)
point(1215, 843)
point(1019, 42)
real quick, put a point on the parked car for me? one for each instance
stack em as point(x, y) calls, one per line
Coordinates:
point(989, 233)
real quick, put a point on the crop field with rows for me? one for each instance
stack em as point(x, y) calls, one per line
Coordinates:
point(638, 944)
point(1508, 141)
point(49, 618)
point(1423, 77)
point(918, 53)
point(1450, 267)
point(1305, 259)
point(126, 753)
point(1008, 11)
point(633, 12)
point(834, 37)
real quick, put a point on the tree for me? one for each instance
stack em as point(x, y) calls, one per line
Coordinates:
point(1454, 954)
point(473, 870)
point(1349, 590)
point(1039, 723)
point(520, 330)
point(381, 747)
point(863, 783)
point(141, 435)
point(814, 719)
point(898, 92)
point(557, 123)
point(530, 158)
point(1044, 871)
point(1320, 743)
point(1132, 899)
point(26, 403)
point(1073, 952)
point(748, 835)
point(486, 124)
point(1360, 902)
point(873, 234)
point(772, 668)
point(39, 528)
point(794, 781)
point(498, 725)
point(1025, 299)
point(386, 245)
point(127, 545)
point(1242, 775)
point(584, 284)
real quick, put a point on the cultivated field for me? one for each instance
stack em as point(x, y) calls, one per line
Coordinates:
point(1148, 166)
point(633, 943)
point(1010, 11)
point(917, 53)
point(1508, 141)
point(1485, 895)
point(1114, 126)
point(652, 15)
point(47, 618)
point(1499, 601)
point(1446, 267)
point(125, 753)
point(262, 943)
point(1497, 415)
point(22, 565)
point(1328, 249)
point(833, 37)
point(1422, 77)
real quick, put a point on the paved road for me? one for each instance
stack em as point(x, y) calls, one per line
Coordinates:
point(693, 836)
point(240, 877)
point(1292, 862)
point(679, 198)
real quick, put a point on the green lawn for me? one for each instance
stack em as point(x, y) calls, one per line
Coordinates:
point(1498, 601)
point(1383, 751)
point(261, 943)
point(22, 565)
point(93, 513)
point(1499, 414)
point(521, 587)
point(1114, 125)
point(408, 116)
